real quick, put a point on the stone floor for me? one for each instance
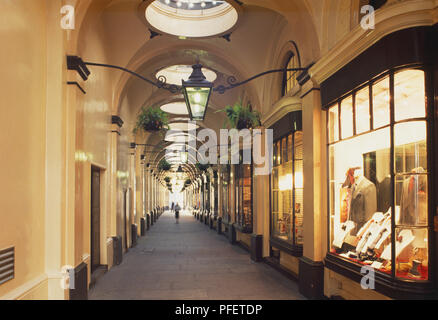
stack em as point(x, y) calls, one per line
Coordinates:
point(190, 261)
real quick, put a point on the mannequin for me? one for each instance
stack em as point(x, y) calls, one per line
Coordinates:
point(413, 203)
point(363, 200)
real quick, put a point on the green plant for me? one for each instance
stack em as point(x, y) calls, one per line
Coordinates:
point(202, 167)
point(163, 165)
point(151, 119)
point(241, 117)
point(167, 179)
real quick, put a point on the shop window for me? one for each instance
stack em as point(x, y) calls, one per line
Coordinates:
point(244, 218)
point(379, 176)
point(225, 198)
point(287, 190)
point(290, 77)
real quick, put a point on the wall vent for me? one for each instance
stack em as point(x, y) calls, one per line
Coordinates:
point(7, 264)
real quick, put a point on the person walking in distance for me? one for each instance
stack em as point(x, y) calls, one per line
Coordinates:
point(177, 209)
point(172, 207)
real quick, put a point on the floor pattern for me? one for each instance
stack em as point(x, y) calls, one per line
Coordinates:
point(188, 261)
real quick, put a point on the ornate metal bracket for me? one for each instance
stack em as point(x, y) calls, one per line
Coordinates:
point(161, 83)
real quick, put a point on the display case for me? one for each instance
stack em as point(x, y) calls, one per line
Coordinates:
point(379, 143)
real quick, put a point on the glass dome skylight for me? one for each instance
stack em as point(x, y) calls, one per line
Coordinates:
point(191, 18)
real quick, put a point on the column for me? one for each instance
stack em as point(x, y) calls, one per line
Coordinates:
point(311, 276)
point(261, 191)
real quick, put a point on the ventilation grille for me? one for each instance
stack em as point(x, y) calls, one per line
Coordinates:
point(7, 264)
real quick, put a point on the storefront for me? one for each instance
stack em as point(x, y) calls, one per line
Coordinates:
point(226, 197)
point(213, 197)
point(382, 166)
point(286, 193)
point(244, 209)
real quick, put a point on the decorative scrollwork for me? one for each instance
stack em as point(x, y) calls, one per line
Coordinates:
point(162, 84)
point(231, 80)
point(161, 81)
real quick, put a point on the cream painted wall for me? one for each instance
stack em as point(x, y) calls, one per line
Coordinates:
point(22, 161)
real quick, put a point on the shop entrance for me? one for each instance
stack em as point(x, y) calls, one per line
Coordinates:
point(95, 218)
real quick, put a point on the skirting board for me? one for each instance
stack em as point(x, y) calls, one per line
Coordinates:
point(25, 290)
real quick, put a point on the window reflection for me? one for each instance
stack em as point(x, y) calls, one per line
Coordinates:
point(381, 103)
point(347, 117)
point(362, 110)
point(409, 95)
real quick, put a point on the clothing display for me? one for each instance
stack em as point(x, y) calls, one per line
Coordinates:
point(384, 194)
point(345, 231)
point(381, 179)
point(363, 201)
point(413, 204)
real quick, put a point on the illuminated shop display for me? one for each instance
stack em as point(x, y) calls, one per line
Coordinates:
point(379, 176)
point(225, 193)
point(287, 189)
point(244, 216)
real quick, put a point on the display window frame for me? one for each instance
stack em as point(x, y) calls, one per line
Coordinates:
point(389, 284)
point(239, 199)
point(214, 194)
point(225, 190)
point(291, 247)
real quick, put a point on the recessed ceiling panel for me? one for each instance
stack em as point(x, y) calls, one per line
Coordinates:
point(183, 126)
point(179, 108)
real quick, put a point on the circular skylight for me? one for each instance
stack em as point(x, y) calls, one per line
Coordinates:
point(179, 108)
point(179, 137)
point(183, 126)
point(191, 18)
point(176, 147)
point(192, 4)
point(175, 74)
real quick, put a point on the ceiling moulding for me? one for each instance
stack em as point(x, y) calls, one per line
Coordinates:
point(390, 18)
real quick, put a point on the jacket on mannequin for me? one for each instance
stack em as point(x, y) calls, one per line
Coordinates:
point(364, 201)
point(413, 203)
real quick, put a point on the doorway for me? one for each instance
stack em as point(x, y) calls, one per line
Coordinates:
point(95, 218)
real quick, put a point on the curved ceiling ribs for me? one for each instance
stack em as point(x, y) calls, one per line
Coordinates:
point(254, 47)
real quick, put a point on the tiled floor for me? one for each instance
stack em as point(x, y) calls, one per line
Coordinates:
point(190, 261)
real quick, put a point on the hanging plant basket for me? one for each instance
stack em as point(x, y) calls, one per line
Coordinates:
point(151, 120)
point(163, 165)
point(188, 182)
point(167, 179)
point(241, 117)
